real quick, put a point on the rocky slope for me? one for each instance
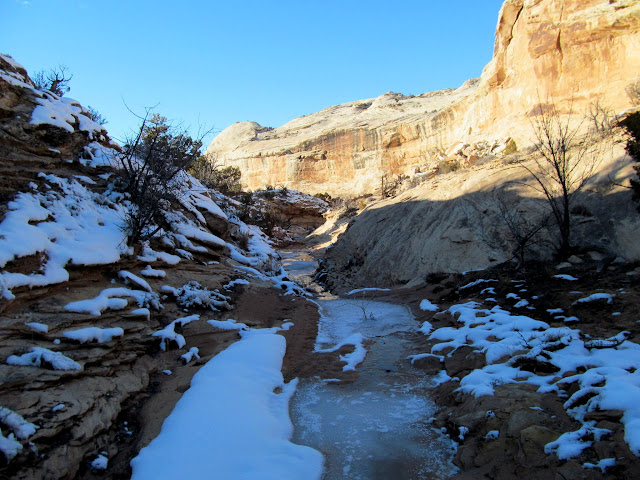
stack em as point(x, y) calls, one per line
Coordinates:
point(494, 338)
point(98, 340)
point(452, 223)
point(542, 51)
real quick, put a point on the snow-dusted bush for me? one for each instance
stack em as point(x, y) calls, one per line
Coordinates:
point(43, 357)
point(151, 163)
point(192, 294)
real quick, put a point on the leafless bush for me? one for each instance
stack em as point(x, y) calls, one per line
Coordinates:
point(562, 164)
point(602, 118)
point(150, 162)
point(56, 80)
point(523, 226)
point(633, 91)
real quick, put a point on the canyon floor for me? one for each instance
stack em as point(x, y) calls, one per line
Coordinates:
point(504, 425)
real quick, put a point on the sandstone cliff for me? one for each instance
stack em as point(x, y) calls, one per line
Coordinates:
point(573, 52)
point(344, 149)
point(452, 223)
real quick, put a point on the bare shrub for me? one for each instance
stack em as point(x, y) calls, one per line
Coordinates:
point(602, 118)
point(150, 162)
point(55, 80)
point(633, 91)
point(523, 227)
point(562, 164)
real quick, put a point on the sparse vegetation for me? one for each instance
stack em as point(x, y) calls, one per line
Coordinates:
point(563, 162)
point(96, 116)
point(631, 124)
point(263, 214)
point(363, 303)
point(150, 162)
point(269, 192)
point(224, 179)
point(55, 80)
point(523, 227)
point(633, 91)
point(448, 166)
point(323, 196)
point(511, 147)
point(389, 187)
point(227, 180)
point(601, 118)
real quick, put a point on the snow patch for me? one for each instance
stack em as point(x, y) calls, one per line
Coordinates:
point(38, 327)
point(42, 357)
point(109, 299)
point(563, 276)
point(596, 296)
point(229, 324)
point(427, 306)
point(191, 355)
point(94, 334)
point(232, 408)
point(169, 334)
point(153, 273)
point(129, 277)
point(100, 463)
point(193, 294)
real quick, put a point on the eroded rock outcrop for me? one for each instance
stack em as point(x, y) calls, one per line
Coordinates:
point(572, 52)
point(345, 149)
point(97, 339)
point(452, 222)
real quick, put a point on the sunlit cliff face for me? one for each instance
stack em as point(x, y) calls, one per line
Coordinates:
point(573, 53)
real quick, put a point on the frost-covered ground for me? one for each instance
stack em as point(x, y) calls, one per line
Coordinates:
point(233, 421)
point(375, 427)
point(608, 378)
point(562, 343)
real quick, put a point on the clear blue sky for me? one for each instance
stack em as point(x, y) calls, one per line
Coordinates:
point(216, 63)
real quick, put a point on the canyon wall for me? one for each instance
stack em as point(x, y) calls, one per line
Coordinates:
point(345, 149)
point(571, 52)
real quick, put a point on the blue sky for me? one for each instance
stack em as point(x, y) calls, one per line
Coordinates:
point(215, 63)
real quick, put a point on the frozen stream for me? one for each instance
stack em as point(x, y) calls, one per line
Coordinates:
point(375, 427)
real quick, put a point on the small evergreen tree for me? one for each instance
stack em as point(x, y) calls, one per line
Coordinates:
point(96, 116)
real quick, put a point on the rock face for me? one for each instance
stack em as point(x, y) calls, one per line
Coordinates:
point(572, 52)
point(79, 383)
point(452, 223)
point(344, 149)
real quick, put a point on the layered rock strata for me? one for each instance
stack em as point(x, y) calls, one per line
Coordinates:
point(571, 52)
